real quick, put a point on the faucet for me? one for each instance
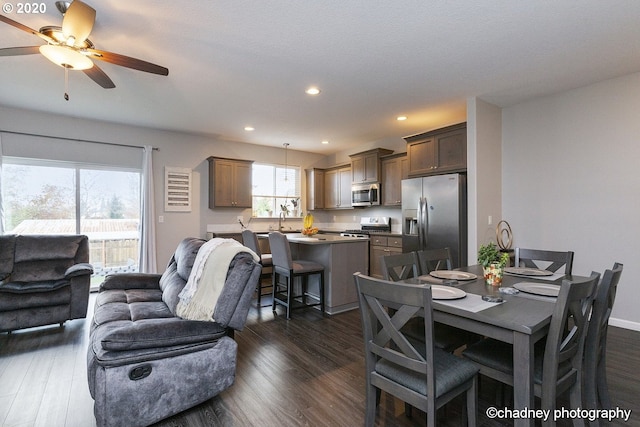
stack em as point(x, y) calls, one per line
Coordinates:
point(281, 219)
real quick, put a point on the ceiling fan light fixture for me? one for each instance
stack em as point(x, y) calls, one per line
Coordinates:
point(66, 57)
point(56, 34)
point(62, 6)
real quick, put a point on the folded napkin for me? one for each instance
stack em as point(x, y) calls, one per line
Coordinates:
point(473, 303)
point(436, 281)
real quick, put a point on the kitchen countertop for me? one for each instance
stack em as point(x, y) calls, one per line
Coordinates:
point(317, 239)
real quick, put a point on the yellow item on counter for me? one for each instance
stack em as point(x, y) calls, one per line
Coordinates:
point(308, 221)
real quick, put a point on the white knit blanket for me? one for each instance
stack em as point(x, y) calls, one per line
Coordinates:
point(199, 297)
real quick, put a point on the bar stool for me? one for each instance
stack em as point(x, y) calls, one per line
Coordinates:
point(284, 265)
point(250, 240)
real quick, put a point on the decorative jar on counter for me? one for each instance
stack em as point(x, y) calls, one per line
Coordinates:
point(493, 274)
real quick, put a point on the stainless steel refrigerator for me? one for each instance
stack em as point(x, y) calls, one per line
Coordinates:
point(434, 215)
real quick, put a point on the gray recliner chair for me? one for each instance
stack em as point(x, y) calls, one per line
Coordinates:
point(44, 279)
point(144, 362)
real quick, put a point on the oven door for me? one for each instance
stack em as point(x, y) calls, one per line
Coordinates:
point(365, 194)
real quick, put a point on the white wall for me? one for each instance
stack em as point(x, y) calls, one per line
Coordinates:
point(571, 181)
point(176, 150)
point(484, 174)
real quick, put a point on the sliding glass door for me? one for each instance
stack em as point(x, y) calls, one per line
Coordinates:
point(57, 198)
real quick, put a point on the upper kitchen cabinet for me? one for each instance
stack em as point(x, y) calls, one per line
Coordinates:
point(229, 183)
point(439, 151)
point(337, 188)
point(395, 168)
point(365, 166)
point(315, 189)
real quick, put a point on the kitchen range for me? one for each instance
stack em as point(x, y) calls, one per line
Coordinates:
point(370, 225)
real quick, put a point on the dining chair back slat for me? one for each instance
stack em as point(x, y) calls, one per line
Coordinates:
point(434, 259)
point(534, 258)
point(400, 266)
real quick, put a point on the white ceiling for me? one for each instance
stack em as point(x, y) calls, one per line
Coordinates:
point(238, 62)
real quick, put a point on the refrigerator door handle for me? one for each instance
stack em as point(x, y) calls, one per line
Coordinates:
point(425, 224)
point(419, 223)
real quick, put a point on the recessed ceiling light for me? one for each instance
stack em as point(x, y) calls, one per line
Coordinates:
point(312, 91)
point(401, 118)
point(325, 142)
point(249, 128)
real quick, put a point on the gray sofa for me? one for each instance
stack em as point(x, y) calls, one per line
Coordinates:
point(44, 279)
point(144, 363)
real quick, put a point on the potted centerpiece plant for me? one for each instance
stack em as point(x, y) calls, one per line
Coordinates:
point(493, 263)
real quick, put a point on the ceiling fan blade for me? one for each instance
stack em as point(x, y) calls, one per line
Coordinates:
point(25, 28)
point(78, 21)
point(14, 51)
point(99, 76)
point(126, 61)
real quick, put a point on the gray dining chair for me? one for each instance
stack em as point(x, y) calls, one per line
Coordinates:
point(284, 266)
point(405, 266)
point(434, 259)
point(415, 371)
point(595, 372)
point(558, 360)
point(250, 240)
point(535, 258)
point(400, 266)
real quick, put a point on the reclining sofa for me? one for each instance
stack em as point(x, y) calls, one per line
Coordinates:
point(145, 363)
point(44, 279)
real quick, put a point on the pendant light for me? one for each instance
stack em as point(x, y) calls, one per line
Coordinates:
point(286, 146)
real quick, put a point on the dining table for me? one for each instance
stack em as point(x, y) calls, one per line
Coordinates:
point(520, 319)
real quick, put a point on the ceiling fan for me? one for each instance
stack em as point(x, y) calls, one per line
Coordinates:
point(69, 47)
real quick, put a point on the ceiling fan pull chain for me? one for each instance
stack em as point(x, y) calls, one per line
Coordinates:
point(66, 83)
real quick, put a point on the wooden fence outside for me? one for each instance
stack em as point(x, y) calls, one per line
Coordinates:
point(116, 254)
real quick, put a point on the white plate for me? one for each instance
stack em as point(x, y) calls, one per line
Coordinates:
point(446, 292)
point(525, 271)
point(453, 275)
point(538, 288)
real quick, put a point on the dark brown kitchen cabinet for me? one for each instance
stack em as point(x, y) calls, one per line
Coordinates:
point(395, 168)
point(380, 246)
point(337, 188)
point(229, 183)
point(365, 166)
point(439, 151)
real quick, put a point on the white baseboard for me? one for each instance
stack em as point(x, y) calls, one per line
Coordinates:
point(626, 324)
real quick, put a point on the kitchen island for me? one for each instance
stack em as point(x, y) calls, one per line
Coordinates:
point(341, 257)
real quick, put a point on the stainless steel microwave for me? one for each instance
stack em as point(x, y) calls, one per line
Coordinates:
point(365, 195)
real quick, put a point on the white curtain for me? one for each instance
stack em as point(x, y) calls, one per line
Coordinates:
point(1, 204)
point(148, 228)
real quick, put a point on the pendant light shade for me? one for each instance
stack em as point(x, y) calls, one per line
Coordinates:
point(286, 165)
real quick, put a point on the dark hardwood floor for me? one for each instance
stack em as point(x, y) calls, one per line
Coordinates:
point(308, 371)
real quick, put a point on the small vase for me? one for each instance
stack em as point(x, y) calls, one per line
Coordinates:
point(493, 274)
